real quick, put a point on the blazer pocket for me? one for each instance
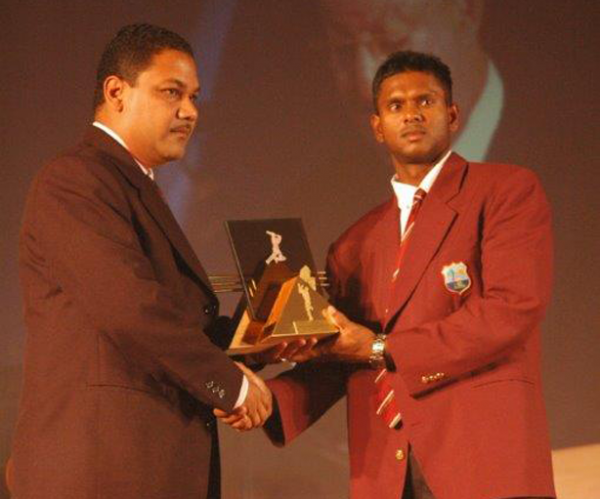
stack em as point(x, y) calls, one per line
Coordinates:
point(514, 379)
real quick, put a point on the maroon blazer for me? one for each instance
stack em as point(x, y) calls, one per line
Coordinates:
point(121, 368)
point(467, 376)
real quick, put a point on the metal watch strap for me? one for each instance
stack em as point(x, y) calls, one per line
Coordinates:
point(377, 357)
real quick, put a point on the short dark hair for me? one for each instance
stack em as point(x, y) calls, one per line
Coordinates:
point(407, 60)
point(131, 51)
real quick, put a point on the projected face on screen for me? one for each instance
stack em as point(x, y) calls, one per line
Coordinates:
point(362, 33)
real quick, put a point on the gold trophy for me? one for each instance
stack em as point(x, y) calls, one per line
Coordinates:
point(283, 298)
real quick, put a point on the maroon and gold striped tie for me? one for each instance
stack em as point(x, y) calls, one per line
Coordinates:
point(387, 407)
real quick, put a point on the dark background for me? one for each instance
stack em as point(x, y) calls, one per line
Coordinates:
point(275, 141)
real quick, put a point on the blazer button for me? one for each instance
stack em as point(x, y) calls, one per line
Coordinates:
point(210, 309)
point(399, 455)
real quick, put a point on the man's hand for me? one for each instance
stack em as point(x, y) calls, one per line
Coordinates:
point(255, 410)
point(353, 344)
point(294, 351)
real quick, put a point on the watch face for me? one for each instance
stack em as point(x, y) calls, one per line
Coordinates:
point(376, 360)
point(378, 347)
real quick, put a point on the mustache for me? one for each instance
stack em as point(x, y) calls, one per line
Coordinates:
point(182, 128)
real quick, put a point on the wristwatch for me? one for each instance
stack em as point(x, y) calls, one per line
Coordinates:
point(377, 357)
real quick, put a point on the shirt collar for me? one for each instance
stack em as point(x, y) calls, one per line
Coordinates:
point(117, 137)
point(405, 192)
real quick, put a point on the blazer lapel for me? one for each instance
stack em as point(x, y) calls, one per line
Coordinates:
point(431, 227)
point(152, 200)
point(383, 241)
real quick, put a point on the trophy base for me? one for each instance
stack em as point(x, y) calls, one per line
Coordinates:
point(244, 348)
point(244, 343)
point(315, 327)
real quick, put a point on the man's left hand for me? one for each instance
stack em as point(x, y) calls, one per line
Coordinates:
point(353, 343)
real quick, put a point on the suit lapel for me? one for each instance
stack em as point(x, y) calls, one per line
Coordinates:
point(151, 198)
point(431, 227)
point(163, 216)
point(383, 240)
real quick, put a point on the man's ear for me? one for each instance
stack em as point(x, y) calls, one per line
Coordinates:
point(454, 114)
point(376, 127)
point(114, 89)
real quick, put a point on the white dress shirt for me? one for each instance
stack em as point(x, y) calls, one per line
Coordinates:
point(406, 192)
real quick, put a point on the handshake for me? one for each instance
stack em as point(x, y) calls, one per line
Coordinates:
point(258, 404)
point(353, 344)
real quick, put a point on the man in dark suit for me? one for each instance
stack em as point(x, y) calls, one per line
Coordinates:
point(124, 361)
point(440, 293)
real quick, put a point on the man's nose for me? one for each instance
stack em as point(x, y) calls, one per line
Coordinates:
point(412, 113)
point(187, 110)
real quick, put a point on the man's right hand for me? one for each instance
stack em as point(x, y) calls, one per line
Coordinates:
point(257, 406)
point(286, 351)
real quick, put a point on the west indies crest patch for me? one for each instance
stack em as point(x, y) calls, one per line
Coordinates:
point(456, 277)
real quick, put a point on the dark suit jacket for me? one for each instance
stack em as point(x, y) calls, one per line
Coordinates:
point(467, 377)
point(121, 367)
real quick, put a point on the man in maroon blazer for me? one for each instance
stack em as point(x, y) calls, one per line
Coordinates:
point(124, 361)
point(439, 294)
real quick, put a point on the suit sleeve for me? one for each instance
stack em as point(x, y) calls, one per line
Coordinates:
point(516, 276)
point(86, 230)
point(303, 395)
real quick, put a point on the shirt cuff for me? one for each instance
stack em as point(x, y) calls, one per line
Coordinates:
point(243, 392)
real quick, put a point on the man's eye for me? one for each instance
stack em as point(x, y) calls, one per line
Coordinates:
point(426, 101)
point(172, 92)
point(194, 97)
point(395, 106)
